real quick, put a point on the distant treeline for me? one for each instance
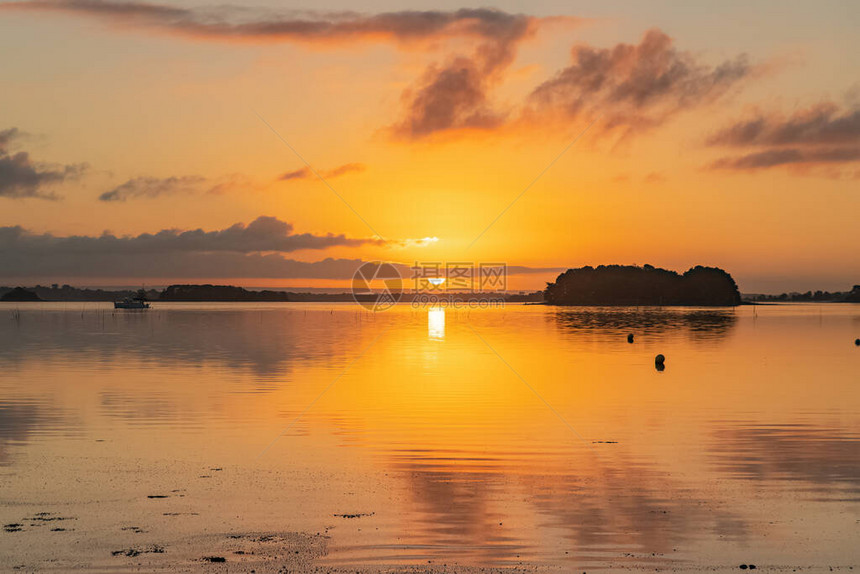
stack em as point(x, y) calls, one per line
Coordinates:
point(631, 285)
point(852, 296)
point(219, 293)
point(231, 293)
point(69, 293)
point(226, 293)
point(603, 285)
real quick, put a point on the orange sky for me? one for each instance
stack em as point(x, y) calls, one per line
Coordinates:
point(729, 140)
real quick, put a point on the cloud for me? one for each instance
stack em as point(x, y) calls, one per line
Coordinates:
point(421, 242)
point(21, 177)
point(303, 173)
point(633, 88)
point(152, 187)
point(823, 124)
point(255, 250)
point(188, 265)
point(345, 169)
point(6, 137)
point(307, 173)
point(655, 177)
point(264, 234)
point(242, 250)
point(455, 96)
point(450, 96)
point(788, 156)
point(819, 137)
point(232, 23)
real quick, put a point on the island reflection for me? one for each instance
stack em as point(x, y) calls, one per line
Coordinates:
point(609, 323)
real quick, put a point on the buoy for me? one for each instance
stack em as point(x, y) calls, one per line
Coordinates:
point(857, 342)
point(630, 338)
point(659, 360)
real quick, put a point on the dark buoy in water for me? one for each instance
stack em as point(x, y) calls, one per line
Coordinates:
point(857, 342)
point(658, 362)
point(630, 338)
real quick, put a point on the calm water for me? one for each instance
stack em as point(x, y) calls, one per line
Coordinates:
point(520, 435)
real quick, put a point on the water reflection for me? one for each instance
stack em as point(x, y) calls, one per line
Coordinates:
point(20, 420)
point(825, 459)
point(442, 442)
point(456, 510)
point(436, 323)
point(608, 323)
point(264, 341)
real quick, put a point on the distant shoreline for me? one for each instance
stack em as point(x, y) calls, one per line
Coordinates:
point(229, 293)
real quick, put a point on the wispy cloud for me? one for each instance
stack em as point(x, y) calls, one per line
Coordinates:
point(789, 156)
point(306, 173)
point(21, 177)
point(154, 187)
point(422, 242)
point(655, 177)
point(238, 24)
point(822, 124)
point(820, 136)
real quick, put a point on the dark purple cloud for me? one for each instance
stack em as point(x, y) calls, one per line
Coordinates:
point(235, 23)
point(21, 177)
point(788, 156)
point(264, 234)
point(822, 135)
point(824, 124)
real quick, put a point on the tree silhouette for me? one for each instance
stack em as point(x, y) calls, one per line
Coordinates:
point(646, 285)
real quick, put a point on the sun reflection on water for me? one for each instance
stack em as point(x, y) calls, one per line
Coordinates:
point(436, 324)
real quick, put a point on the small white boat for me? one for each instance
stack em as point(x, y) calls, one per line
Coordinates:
point(137, 302)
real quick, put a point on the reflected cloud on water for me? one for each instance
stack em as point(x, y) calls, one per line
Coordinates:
point(602, 509)
point(263, 342)
point(826, 460)
point(21, 420)
point(610, 323)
